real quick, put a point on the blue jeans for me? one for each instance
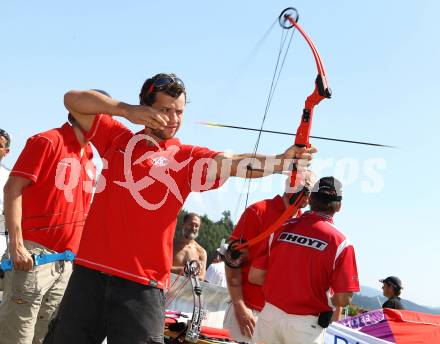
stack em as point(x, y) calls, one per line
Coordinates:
point(96, 305)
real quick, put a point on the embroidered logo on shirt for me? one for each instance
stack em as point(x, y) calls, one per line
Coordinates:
point(160, 172)
point(302, 240)
point(160, 161)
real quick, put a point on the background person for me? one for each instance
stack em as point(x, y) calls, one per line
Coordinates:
point(186, 248)
point(43, 217)
point(215, 274)
point(392, 288)
point(247, 299)
point(5, 143)
point(126, 248)
point(307, 258)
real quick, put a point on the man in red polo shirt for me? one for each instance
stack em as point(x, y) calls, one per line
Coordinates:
point(47, 198)
point(307, 269)
point(247, 299)
point(125, 255)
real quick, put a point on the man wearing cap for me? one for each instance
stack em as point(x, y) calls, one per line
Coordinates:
point(126, 253)
point(307, 270)
point(392, 287)
point(187, 248)
point(47, 198)
point(247, 299)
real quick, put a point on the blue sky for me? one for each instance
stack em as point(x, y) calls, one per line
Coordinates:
point(381, 59)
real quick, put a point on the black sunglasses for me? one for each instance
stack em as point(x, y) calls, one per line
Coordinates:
point(5, 135)
point(164, 81)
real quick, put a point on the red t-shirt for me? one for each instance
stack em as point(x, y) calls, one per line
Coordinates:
point(56, 203)
point(307, 258)
point(255, 219)
point(129, 231)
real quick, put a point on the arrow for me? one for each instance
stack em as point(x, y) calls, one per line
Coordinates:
point(218, 125)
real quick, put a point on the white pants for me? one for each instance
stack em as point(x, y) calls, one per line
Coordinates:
point(230, 323)
point(276, 326)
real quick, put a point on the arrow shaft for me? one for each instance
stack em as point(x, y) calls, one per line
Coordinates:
point(290, 134)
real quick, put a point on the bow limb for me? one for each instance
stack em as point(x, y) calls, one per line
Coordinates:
point(320, 92)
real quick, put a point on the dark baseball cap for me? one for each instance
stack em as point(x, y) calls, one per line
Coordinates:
point(328, 188)
point(393, 281)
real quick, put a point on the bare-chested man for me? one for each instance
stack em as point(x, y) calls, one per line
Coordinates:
point(186, 248)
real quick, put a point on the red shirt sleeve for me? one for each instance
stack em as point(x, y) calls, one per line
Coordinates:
point(36, 153)
point(261, 261)
point(201, 160)
point(248, 226)
point(345, 276)
point(104, 131)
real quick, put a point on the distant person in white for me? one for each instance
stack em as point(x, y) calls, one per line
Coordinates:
point(216, 272)
point(5, 142)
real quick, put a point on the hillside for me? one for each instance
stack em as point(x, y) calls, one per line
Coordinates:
point(370, 298)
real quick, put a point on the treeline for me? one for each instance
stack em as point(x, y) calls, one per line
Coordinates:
point(211, 233)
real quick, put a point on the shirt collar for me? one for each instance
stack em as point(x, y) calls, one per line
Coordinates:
point(323, 216)
point(279, 203)
point(69, 135)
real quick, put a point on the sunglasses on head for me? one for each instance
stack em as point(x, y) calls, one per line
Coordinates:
point(4, 134)
point(164, 81)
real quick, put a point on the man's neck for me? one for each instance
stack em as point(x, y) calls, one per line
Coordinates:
point(79, 136)
point(149, 132)
point(184, 241)
point(286, 200)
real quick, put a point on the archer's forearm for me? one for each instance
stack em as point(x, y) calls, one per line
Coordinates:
point(13, 213)
point(234, 282)
point(93, 103)
point(337, 314)
point(249, 165)
point(178, 270)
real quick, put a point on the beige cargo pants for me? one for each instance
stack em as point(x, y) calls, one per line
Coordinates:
point(30, 299)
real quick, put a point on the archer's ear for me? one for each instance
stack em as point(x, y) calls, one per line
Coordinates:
point(338, 209)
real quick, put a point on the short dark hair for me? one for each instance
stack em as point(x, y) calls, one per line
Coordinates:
point(317, 202)
point(189, 215)
point(4, 134)
point(396, 289)
point(147, 96)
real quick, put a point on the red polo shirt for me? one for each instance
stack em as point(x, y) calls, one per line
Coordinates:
point(56, 203)
point(255, 219)
point(129, 231)
point(307, 258)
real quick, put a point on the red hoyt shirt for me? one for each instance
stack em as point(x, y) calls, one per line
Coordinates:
point(255, 219)
point(307, 260)
point(57, 201)
point(129, 231)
